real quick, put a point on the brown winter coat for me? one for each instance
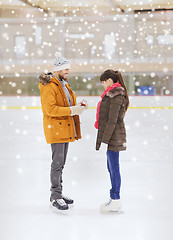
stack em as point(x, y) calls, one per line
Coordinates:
point(59, 126)
point(111, 129)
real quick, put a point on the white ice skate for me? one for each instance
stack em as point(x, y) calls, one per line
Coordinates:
point(112, 206)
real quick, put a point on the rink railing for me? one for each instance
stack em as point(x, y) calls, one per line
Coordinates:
point(136, 102)
point(25, 108)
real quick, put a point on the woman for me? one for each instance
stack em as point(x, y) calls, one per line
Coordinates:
point(111, 130)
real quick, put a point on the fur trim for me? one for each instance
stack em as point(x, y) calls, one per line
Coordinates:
point(115, 92)
point(45, 78)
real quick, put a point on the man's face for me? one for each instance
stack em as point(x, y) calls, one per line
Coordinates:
point(62, 74)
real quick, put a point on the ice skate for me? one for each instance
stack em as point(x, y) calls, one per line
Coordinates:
point(59, 205)
point(67, 200)
point(112, 206)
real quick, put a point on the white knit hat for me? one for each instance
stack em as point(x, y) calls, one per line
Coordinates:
point(60, 63)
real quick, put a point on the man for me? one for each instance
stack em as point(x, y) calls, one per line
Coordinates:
point(61, 124)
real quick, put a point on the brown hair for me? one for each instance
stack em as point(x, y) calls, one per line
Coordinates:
point(116, 77)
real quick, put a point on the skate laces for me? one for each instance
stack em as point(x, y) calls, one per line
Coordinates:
point(108, 203)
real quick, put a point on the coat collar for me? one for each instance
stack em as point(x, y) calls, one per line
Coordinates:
point(111, 89)
point(46, 78)
point(115, 92)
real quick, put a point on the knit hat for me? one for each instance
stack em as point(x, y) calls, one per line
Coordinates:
point(60, 63)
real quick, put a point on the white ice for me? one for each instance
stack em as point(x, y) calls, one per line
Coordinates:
point(146, 170)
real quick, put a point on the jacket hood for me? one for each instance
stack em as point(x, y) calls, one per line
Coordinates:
point(115, 92)
point(45, 78)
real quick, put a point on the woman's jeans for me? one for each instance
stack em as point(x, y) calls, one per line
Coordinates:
point(114, 170)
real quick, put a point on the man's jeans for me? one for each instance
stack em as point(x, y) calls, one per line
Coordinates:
point(113, 168)
point(59, 153)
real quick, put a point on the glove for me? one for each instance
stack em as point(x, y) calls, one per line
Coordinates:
point(76, 110)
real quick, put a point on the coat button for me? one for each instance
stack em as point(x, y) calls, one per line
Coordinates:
point(60, 123)
point(68, 124)
point(70, 137)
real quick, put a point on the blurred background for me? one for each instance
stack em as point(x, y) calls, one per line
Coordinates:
point(134, 37)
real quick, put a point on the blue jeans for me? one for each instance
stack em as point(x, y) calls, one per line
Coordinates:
point(114, 171)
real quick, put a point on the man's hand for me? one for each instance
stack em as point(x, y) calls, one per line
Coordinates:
point(77, 110)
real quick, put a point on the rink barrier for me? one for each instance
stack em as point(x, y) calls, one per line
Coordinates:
point(25, 108)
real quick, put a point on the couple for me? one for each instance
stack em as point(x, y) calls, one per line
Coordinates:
point(61, 126)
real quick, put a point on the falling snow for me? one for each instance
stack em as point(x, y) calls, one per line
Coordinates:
point(140, 45)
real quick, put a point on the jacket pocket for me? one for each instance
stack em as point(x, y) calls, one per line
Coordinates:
point(60, 129)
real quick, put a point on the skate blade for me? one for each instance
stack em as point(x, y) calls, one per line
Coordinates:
point(112, 212)
point(58, 211)
point(116, 212)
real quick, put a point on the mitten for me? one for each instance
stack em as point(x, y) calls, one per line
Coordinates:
point(76, 110)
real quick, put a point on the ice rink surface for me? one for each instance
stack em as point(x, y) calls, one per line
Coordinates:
point(146, 171)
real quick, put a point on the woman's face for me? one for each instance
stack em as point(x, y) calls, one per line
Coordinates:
point(109, 82)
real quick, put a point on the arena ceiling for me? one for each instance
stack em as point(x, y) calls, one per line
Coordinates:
point(59, 5)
